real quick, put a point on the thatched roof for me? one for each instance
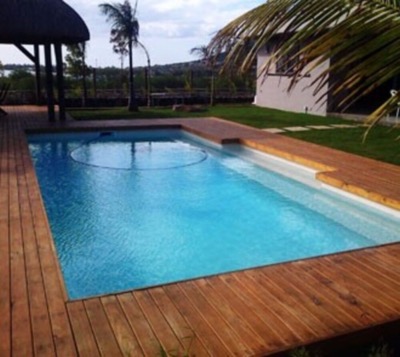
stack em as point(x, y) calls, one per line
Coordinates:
point(40, 22)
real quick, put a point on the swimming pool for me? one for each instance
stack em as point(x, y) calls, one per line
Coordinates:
point(141, 208)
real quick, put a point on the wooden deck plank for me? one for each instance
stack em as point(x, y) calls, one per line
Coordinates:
point(349, 287)
point(378, 279)
point(369, 286)
point(314, 308)
point(191, 343)
point(60, 325)
point(216, 299)
point(82, 330)
point(22, 344)
point(165, 335)
point(261, 308)
point(139, 324)
point(5, 266)
point(203, 330)
point(274, 287)
point(271, 340)
point(4, 155)
point(122, 331)
point(360, 314)
point(387, 258)
point(297, 325)
point(227, 335)
point(101, 328)
point(322, 300)
point(5, 291)
point(382, 263)
point(41, 330)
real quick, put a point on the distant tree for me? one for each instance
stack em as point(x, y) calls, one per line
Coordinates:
point(124, 30)
point(1, 69)
point(21, 79)
point(76, 66)
point(209, 60)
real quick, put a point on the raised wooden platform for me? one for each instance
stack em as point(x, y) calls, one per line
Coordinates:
point(250, 313)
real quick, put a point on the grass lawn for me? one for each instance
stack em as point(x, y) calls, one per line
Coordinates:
point(246, 114)
point(381, 144)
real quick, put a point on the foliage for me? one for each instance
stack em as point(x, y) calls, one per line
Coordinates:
point(124, 32)
point(361, 35)
point(381, 350)
point(301, 352)
point(21, 79)
point(208, 57)
point(75, 59)
point(1, 69)
point(76, 66)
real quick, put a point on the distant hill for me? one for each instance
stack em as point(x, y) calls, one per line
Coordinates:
point(172, 67)
point(13, 67)
point(196, 65)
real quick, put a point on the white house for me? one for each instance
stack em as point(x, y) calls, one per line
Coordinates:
point(272, 89)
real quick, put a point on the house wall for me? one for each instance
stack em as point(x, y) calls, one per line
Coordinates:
point(272, 90)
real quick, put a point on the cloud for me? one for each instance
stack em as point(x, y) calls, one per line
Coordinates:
point(171, 18)
point(184, 18)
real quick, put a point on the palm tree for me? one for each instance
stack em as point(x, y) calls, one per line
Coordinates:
point(361, 34)
point(124, 29)
point(120, 49)
point(147, 73)
point(208, 58)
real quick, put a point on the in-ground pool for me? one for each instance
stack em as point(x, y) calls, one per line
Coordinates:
point(140, 208)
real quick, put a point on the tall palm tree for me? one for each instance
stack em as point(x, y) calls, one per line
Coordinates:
point(124, 29)
point(208, 58)
point(363, 35)
point(147, 72)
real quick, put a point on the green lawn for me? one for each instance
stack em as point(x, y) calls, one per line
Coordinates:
point(381, 143)
point(245, 114)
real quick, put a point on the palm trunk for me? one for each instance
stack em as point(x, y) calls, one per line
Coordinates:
point(212, 89)
point(132, 104)
point(84, 86)
point(83, 69)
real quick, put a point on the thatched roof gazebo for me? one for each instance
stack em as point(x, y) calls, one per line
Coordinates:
point(47, 23)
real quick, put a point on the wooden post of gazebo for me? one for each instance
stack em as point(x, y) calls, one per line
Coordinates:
point(60, 81)
point(38, 83)
point(43, 22)
point(49, 81)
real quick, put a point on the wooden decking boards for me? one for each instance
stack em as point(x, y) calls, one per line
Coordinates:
point(250, 313)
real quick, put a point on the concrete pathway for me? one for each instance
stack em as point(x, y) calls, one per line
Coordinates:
point(311, 127)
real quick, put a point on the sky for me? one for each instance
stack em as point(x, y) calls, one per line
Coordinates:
point(168, 29)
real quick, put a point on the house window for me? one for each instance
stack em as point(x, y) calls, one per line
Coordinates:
point(286, 64)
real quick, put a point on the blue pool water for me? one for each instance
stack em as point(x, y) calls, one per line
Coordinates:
point(135, 209)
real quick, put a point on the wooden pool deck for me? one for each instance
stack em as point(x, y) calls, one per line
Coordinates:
point(255, 312)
